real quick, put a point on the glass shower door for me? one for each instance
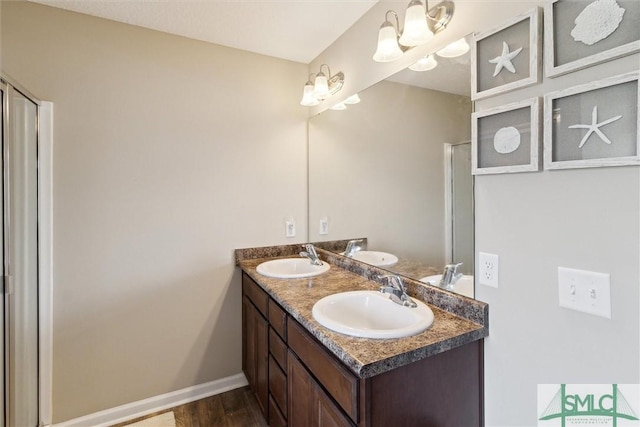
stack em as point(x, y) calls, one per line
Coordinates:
point(20, 166)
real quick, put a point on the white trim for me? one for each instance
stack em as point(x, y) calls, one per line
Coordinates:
point(45, 256)
point(158, 403)
point(448, 204)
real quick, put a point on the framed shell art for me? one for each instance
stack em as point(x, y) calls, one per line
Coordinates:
point(506, 139)
point(581, 33)
point(507, 57)
point(593, 125)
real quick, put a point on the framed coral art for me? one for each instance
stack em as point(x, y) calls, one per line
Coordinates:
point(507, 57)
point(505, 139)
point(581, 33)
point(593, 125)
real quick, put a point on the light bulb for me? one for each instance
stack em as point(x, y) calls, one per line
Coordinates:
point(388, 49)
point(353, 99)
point(424, 64)
point(321, 87)
point(457, 48)
point(416, 31)
point(308, 100)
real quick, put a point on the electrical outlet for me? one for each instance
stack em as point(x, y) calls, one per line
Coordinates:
point(324, 226)
point(585, 291)
point(488, 269)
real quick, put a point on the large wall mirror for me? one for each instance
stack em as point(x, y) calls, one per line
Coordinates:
point(395, 168)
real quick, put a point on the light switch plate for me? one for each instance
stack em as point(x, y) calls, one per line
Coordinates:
point(290, 228)
point(585, 291)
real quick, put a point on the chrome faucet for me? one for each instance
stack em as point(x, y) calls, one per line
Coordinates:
point(353, 246)
point(310, 252)
point(396, 290)
point(450, 276)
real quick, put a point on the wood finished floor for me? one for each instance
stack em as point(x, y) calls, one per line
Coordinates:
point(235, 408)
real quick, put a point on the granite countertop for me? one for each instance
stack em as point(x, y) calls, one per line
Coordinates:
point(458, 320)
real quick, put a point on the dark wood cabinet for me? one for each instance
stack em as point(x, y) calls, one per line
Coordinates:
point(309, 405)
point(299, 383)
point(256, 352)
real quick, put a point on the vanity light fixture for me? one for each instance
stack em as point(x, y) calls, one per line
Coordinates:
point(420, 24)
point(457, 48)
point(338, 107)
point(425, 63)
point(322, 87)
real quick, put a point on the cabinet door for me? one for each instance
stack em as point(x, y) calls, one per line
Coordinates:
point(309, 405)
point(256, 352)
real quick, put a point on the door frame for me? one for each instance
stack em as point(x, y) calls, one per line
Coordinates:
point(45, 247)
point(448, 201)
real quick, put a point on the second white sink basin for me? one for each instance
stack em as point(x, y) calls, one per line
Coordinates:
point(464, 285)
point(371, 314)
point(291, 268)
point(376, 258)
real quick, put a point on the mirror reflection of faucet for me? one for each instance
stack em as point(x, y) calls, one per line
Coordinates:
point(353, 246)
point(450, 276)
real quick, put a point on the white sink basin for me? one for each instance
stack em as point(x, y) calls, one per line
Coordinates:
point(376, 258)
point(371, 314)
point(291, 268)
point(464, 285)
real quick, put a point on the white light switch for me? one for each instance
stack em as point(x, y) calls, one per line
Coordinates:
point(585, 291)
point(290, 228)
point(324, 226)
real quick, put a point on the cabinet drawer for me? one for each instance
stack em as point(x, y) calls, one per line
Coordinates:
point(258, 297)
point(339, 383)
point(278, 349)
point(276, 419)
point(277, 385)
point(278, 319)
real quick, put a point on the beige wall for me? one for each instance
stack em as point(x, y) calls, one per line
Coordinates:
point(376, 169)
point(169, 153)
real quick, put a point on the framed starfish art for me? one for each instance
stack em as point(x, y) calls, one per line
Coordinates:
point(505, 139)
point(581, 33)
point(593, 125)
point(507, 57)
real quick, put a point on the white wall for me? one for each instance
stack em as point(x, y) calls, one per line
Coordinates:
point(169, 154)
point(586, 219)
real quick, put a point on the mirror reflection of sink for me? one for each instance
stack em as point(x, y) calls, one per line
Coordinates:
point(464, 285)
point(375, 258)
point(291, 268)
point(371, 314)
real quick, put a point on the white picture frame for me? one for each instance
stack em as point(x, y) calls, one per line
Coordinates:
point(594, 124)
point(566, 52)
point(506, 139)
point(507, 57)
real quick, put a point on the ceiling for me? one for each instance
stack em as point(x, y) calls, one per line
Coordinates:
point(296, 30)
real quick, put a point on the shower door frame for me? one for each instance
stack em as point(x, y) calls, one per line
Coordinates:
point(44, 134)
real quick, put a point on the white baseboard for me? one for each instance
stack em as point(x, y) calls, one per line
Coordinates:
point(157, 403)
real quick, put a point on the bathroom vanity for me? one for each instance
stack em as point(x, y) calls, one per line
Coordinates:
point(306, 375)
